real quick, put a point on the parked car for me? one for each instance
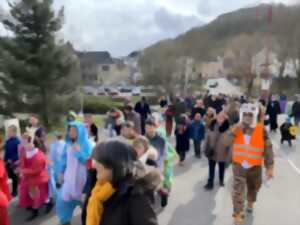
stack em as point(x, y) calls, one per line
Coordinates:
point(89, 90)
point(125, 89)
point(101, 91)
point(114, 92)
point(136, 91)
point(148, 91)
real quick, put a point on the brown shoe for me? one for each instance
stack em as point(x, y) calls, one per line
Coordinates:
point(238, 219)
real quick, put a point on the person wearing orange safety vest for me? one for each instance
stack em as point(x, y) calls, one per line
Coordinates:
point(251, 150)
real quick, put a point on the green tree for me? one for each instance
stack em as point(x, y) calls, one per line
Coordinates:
point(38, 69)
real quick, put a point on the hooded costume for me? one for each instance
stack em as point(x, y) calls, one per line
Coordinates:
point(169, 160)
point(73, 166)
point(34, 191)
point(5, 196)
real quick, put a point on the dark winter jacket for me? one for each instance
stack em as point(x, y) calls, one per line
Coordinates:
point(143, 109)
point(285, 131)
point(296, 110)
point(134, 204)
point(163, 103)
point(196, 110)
point(182, 138)
point(180, 108)
point(197, 130)
point(217, 105)
point(11, 149)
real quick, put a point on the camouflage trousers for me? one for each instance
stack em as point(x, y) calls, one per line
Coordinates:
point(246, 183)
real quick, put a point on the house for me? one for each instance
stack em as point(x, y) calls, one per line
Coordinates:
point(274, 65)
point(291, 68)
point(132, 62)
point(99, 68)
point(259, 63)
point(211, 69)
point(229, 61)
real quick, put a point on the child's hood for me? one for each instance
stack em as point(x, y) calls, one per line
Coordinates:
point(82, 135)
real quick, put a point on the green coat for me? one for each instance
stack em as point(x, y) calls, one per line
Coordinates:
point(169, 161)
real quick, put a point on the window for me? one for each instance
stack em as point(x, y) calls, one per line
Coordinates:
point(105, 68)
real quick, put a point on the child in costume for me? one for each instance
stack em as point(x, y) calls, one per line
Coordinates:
point(56, 151)
point(5, 196)
point(74, 169)
point(182, 138)
point(171, 157)
point(11, 157)
point(287, 134)
point(197, 133)
point(34, 174)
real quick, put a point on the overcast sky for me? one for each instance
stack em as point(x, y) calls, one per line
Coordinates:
point(122, 26)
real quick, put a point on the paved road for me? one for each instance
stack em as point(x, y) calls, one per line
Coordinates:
point(279, 202)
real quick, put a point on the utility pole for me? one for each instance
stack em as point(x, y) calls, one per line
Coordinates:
point(265, 75)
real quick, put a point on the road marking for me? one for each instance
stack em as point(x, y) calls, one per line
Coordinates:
point(286, 157)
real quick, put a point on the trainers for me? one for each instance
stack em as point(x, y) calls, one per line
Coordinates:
point(33, 216)
point(250, 207)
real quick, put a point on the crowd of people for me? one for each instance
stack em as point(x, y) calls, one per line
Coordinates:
point(129, 168)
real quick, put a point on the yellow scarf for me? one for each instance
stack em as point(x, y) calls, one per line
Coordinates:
point(101, 193)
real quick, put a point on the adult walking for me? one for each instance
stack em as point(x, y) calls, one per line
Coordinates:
point(217, 149)
point(198, 108)
point(273, 110)
point(142, 107)
point(296, 111)
point(134, 117)
point(169, 114)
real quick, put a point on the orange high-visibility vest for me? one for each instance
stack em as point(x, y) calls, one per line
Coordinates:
point(253, 152)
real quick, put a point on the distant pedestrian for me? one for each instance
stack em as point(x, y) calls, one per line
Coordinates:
point(209, 117)
point(169, 114)
point(286, 132)
point(198, 108)
point(296, 111)
point(197, 133)
point(157, 142)
point(163, 102)
point(91, 127)
point(142, 107)
point(182, 138)
point(273, 110)
point(134, 117)
point(11, 157)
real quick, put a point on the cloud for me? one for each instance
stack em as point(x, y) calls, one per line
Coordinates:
point(121, 26)
point(175, 23)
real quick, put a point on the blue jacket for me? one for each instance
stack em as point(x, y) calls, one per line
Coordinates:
point(11, 149)
point(197, 130)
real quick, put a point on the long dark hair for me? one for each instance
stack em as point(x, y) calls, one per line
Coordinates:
point(120, 158)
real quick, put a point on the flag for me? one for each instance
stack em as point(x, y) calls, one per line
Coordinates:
point(257, 14)
point(270, 14)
